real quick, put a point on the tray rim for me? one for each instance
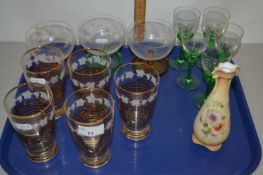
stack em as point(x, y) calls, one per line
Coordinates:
point(8, 130)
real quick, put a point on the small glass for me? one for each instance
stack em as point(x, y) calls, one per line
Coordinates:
point(193, 48)
point(58, 34)
point(215, 22)
point(151, 41)
point(45, 65)
point(90, 117)
point(90, 68)
point(136, 87)
point(186, 20)
point(229, 43)
point(31, 111)
point(106, 33)
point(209, 61)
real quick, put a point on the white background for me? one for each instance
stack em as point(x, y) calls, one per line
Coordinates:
point(18, 15)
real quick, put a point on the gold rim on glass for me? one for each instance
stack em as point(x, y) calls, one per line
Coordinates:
point(50, 99)
point(89, 74)
point(137, 64)
point(61, 57)
point(89, 90)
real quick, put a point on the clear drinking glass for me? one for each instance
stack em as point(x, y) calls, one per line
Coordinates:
point(229, 43)
point(45, 65)
point(151, 42)
point(90, 117)
point(193, 48)
point(209, 61)
point(136, 88)
point(214, 23)
point(186, 21)
point(58, 34)
point(90, 68)
point(106, 33)
point(30, 110)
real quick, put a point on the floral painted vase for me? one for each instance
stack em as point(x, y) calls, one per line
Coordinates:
point(212, 124)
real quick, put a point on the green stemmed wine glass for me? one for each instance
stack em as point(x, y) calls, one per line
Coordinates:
point(228, 45)
point(209, 61)
point(193, 48)
point(215, 21)
point(186, 21)
point(226, 48)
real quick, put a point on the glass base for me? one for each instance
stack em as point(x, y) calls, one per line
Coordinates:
point(136, 135)
point(45, 156)
point(199, 100)
point(188, 85)
point(160, 65)
point(96, 162)
point(178, 65)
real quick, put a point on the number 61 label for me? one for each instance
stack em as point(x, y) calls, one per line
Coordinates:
point(90, 131)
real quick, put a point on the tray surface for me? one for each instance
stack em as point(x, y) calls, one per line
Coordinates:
point(169, 148)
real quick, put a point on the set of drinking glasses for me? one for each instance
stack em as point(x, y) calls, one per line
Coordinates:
point(215, 40)
point(34, 106)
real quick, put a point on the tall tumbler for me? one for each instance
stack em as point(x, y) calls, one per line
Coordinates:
point(136, 87)
point(30, 110)
point(45, 65)
point(90, 116)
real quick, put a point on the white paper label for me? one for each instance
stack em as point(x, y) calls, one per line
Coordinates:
point(91, 130)
point(38, 80)
point(101, 40)
point(24, 127)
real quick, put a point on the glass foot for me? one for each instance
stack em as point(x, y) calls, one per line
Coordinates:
point(178, 65)
point(160, 65)
point(44, 156)
point(96, 162)
point(199, 100)
point(136, 135)
point(188, 84)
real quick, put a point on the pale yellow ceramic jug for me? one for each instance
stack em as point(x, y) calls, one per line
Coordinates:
point(212, 124)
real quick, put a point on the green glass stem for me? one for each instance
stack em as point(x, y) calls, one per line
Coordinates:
point(119, 55)
point(223, 56)
point(210, 40)
point(210, 82)
point(189, 77)
point(117, 63)
point(181, 58)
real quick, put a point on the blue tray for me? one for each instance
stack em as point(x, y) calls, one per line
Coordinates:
point(169, 148)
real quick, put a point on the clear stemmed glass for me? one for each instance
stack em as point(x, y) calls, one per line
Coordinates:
point(228, 45)
point(193, 48)
point(209, 61)
point(186, 20)
point(151, 42)
point(106, 33)
point(214, 23)
point(58, 34)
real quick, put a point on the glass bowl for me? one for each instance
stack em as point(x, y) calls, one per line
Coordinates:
point(58, 34)
point(106, 33)
point(150, 40)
